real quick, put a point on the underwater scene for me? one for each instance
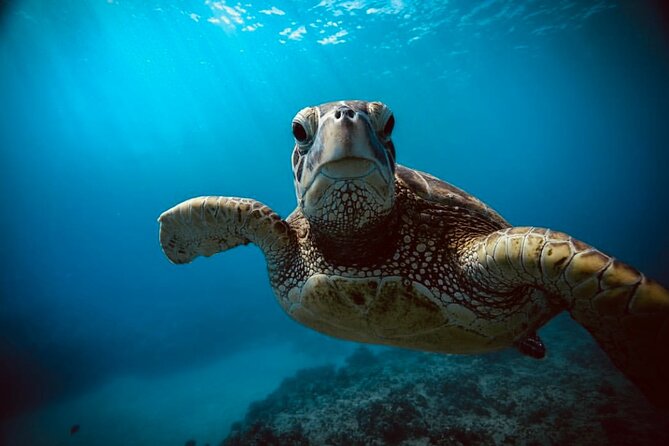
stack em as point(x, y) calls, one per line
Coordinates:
point(554, 113)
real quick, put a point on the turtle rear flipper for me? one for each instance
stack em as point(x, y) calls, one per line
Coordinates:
point(627, 313)
point(205, 226)
point(532, 346)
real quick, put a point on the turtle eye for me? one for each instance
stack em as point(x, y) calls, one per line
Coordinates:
point(382, 118)
point(300, 133)
point(388, 128)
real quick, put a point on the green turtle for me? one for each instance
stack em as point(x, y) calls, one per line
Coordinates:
point(379, 253)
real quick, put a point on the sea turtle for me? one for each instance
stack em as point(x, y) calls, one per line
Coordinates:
point(379, 253)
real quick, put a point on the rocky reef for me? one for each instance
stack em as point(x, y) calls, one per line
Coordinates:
point(573, 397)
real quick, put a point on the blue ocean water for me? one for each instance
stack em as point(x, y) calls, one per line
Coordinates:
point(553, 112)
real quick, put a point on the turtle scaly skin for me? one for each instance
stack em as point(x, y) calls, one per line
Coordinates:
point(379, 253)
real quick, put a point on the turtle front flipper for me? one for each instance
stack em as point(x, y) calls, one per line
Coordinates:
point(205, 226)
point(627, 313)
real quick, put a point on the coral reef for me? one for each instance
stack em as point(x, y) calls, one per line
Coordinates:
point(397, 397)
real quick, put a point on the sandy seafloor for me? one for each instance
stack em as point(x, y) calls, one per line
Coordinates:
point(199, 403)
point(277, 394)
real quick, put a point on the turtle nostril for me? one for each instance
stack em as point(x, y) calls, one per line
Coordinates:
point(344, 112)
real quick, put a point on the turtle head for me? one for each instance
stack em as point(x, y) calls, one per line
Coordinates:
point(344, 165)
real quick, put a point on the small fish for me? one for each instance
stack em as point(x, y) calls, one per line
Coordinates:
point(74, 429)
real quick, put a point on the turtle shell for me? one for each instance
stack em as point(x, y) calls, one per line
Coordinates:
point(445, 198)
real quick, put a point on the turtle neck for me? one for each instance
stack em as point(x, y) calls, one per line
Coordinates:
point(363, 246)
